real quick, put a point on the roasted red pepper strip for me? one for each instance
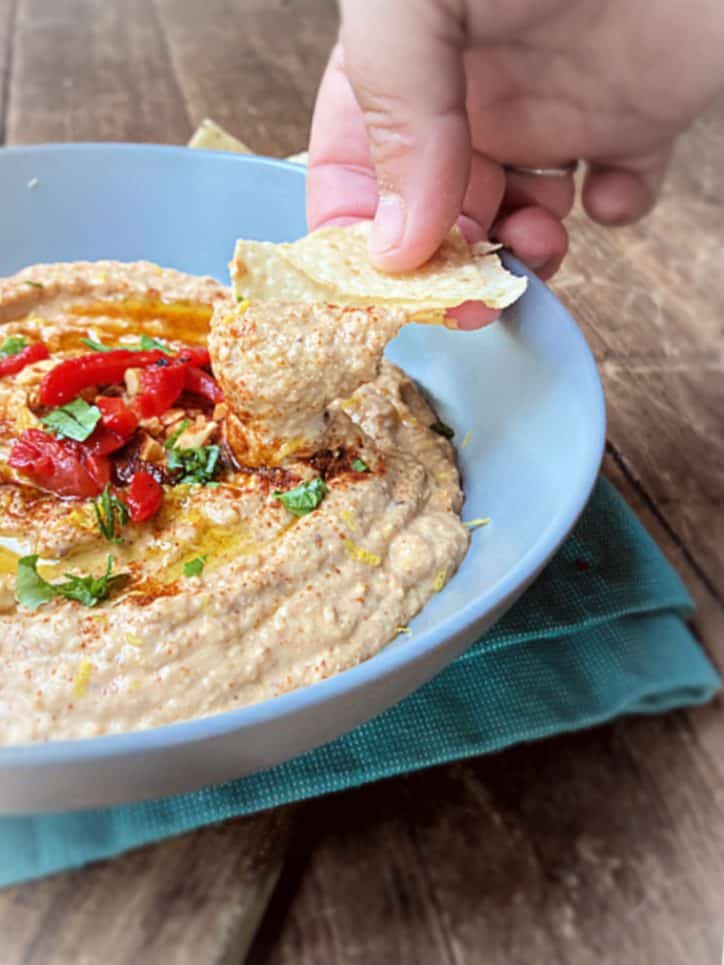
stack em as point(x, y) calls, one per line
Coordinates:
point(143, 497)
point(26, 356)
point(203, 384)
point(117, 425)
point(116, 416)
point(61, 466)
point(103, 442)
point(71, 376)
point(194, 355)
point(162, 385)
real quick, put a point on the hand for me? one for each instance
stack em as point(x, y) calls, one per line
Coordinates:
point(424, 101)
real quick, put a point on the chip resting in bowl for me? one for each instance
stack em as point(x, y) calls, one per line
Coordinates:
point(204, 501)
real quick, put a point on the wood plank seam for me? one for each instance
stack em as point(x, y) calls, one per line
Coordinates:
point(434, 898)
point(168, 55)
point(636, 483)
point(7, 70)
point(308, 832)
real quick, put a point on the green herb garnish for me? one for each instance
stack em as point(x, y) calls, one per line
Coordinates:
point(304, 498)
point(33, 591)
point(359, 465)
point(33, 284)
point(195, 465)
point(111, 513)
point(175, 436)
point(74, 420)
point(145, 344)
point(442, 430)
point(12, 345)
point(148, 344)
point(195, 567)
point(98, 346)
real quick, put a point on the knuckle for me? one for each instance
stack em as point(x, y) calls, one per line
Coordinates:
point(389, 128)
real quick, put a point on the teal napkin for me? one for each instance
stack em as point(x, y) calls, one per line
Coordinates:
point(600, 634)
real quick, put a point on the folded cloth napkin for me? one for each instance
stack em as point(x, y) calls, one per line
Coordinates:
point(600, 634)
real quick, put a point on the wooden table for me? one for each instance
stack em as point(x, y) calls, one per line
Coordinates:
point(602, 847)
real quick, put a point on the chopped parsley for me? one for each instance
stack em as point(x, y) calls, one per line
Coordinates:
point(33, 284)
point(197, 465)
point(359, 465)
point(175, 436)
point(195, 567)
point(145, 344)
point(98, 346)
point(111, 513)
point(12, 345)
point(74, 420)
point(304, 498)
point(442, 430)
point(33, 591)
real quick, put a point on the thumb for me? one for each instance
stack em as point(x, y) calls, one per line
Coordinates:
point(404, 61)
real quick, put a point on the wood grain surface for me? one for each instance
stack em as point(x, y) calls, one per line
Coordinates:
point(603, 847)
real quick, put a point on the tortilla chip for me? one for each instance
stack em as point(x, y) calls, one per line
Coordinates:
point(261, 273)
point(332, 265)
point(209, 136)
point(301, 158)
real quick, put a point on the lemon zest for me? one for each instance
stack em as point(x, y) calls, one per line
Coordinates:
point(82, 519)
point(476, 523)
point(407, 630)
point(132, 640)
point(81, 678)
point(440, 579)
point(466, 439)
point(361, 554)
point(348, 518)
point(242, 306)
point(290, 446)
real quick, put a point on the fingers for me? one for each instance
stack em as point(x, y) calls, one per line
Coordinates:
point(536, 237)
point(472, 315)
point(404, 64)
point(555, 194)
point(483, 196)
point(621, 194)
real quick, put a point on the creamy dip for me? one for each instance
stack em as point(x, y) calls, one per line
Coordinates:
point(282, 601)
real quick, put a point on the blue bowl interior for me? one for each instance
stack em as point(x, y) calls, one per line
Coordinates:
point(526, 388)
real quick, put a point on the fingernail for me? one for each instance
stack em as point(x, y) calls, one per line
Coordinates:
point(388, 228)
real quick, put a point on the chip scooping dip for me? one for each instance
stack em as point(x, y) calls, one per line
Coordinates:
point(332, 266)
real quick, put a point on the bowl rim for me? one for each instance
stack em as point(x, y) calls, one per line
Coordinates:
point(389, 659)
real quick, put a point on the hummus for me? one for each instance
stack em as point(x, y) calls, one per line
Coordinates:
point(228, 596)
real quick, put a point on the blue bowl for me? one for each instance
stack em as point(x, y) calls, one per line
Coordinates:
point(526, 389)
